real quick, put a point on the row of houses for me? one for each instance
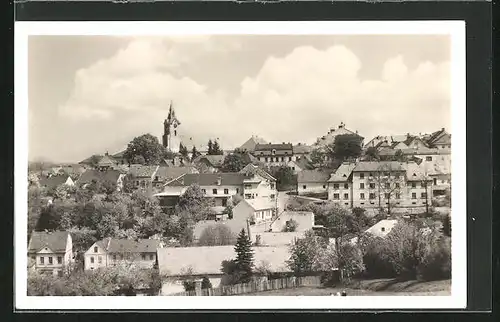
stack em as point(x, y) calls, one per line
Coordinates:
point(52, 253)
point(370, 184)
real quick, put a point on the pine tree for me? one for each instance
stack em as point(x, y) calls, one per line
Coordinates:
point(194, 153)
point(210, 147)
point(244, 257)
point(216, 150)
point(205, 283)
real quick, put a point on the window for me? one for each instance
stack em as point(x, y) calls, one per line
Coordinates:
point(370, 174)
point(274, 151)
point(324, 186)
point(362, 196)
point(289, 158)
point(226, 191)
point(214, 191)
point(99, 259)
point(59, 259)
point(372, 186)
point(387, 195)
point(293, 168)
point(248, 186)
point(95, 249)
point(414, 203)
point(151, 257)
point(398, 196)
point(248, 196)
point(286, 152)
point(413, 184)
point(272, 185)
point(397, 184)
point(204, 191)
point(156, 178)
point(238, 190)
point(362, 203)
point(143, 256)
point(114, 257)
point(422, 184)
point(336, 196)
point(335, 186)
point(372, 196)
point(265, 159)
point(361, 175)
point(92, 260)
point(304, 186)
point(361, 185)
point(50, 260)
point(413, 195)
point(282, 158)
point(42, 260)
point(382, 229)
point(387, 185)
point(346, 196)
point(423, 195)
point(347, 204)
point(273, 196)
point(346, 186)
point(428, 158)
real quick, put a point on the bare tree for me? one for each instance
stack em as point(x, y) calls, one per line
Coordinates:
point(388, 181)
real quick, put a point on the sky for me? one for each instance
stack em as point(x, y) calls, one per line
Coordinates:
point(93, 94)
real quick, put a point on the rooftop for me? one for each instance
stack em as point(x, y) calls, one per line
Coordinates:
point(313, 176)
point(55, 241)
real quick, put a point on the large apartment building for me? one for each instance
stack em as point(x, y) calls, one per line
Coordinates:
point(381, 184)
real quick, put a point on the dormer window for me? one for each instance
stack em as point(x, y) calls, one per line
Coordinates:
point(274, 151)
point(382, 229)
point(95, 249)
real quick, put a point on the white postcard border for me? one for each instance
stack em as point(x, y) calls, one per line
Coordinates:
point(456, 29)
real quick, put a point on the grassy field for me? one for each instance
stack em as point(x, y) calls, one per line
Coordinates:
point(378, 287)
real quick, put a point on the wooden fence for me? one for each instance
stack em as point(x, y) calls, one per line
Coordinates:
point(257, 286)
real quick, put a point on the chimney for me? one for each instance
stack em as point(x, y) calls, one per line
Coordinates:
point(219, 180)
point(283, 142)
point(442, 129)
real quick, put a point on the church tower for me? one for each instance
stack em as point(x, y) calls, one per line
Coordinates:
point(171, 139)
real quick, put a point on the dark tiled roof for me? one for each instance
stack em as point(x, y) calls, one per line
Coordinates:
point(89, 159)
point(209, 179)
point(142, 171)
point(250, 144)
point(379, 166)
point(214, 160)
point(129, 246)
point(251, 170)
point(170, 173)
point(301, 149)
point(99, 176)
point(303, 163)
point(54, 181)
point(270, 147)
point(56, 241)
point(342, 173)
point(313, 176)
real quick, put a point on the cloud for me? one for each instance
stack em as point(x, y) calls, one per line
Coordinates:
point(297, 97)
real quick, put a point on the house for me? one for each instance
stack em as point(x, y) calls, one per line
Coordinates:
point(340, 184)
point(209, 163)
point(101, 176)
point(440, 139)
point(53, 182)
point(301, 150)
point(300, 164)
point(194, 263)
point(111, 252)
point(329, 138)
point(168, 173)
point(274, 154)
point(251, 183)
point(438, 158)
point(142, 176)
point(312, 182)
point(256, 210)
point(249, 145)
point(51, 251)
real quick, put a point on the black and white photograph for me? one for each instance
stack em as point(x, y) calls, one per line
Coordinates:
point(181, 161)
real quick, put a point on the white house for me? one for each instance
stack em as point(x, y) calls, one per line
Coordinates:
point(312, 182)
point(111, 252)
point(51, 251)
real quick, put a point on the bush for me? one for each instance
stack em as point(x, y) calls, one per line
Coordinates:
point(216, 235)
point(189, 285)
point(290, 226)
point(205, 283)
point(436, 264)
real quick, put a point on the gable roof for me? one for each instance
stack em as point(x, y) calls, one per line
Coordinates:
point(342, 173)
point(142, 171)
point(250, 144)
point(89, 159)
point(329, 138)
point(106, 161)
point(214, 160)
point(313, 176)
point(302, 149)
point(303, 163)
point(169, 173)
point(251, 169)
point(441, 135)
point(175, 261)
point(208, 179)
point(88, 176)
point(53, 181)
point(386, 224)
point(260, 204)
point(55, 240)
point(112, 245)
point(375, 166)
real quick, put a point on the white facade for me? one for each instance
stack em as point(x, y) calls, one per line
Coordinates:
point(48, 260)
point(97, 257)
point(312, 187)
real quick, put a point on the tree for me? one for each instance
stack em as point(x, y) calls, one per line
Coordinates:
point(210, 147)
point(216, 235)
point(388, 182)
point(244, 257)
point(290, 225)
point(205, 283)
point(194, 153)
point(400, 156)
point(372, 154)
point(146, 146)
point(318, 157)
point(216, 149)
point(234, 162)
point(183, 150)
point(138, 159)
point(447, 225)
point(94, 160)
point(345, 146)
point(285, 178)
point(305, 254)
